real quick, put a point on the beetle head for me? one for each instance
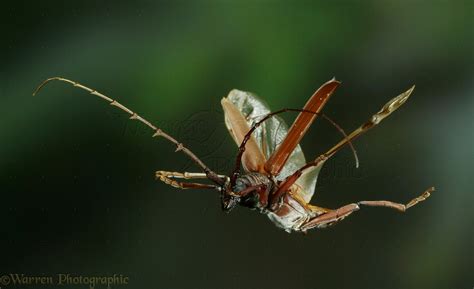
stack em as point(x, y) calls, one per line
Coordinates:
point(229, 199)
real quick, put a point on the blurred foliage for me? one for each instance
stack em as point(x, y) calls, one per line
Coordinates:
point(78, 193)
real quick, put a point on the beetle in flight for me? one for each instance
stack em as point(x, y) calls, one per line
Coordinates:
point(277, 181)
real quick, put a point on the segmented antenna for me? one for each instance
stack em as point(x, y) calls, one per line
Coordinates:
point(385, 111)
point(236, 171)
point(134, 116)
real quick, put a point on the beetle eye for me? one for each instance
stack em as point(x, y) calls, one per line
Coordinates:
point(228, 202)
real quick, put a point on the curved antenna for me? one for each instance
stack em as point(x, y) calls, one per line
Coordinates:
point(385, 111)
point(236, 171)
point(134, 116)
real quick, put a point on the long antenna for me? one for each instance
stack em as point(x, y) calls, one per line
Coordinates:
point(241, 150)
point(134, 116)
point(385, 111)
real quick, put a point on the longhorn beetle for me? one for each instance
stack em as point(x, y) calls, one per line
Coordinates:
point(277, 181)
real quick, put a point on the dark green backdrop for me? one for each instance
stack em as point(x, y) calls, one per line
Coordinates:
point(77, 189)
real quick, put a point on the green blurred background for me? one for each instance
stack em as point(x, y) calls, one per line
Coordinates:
point(78, 193)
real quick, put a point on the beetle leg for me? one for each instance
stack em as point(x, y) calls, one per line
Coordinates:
point(318, 210)
point(397, 206)
point(330, 217)
point(185, 175)
point(170, 179)
point(385, 111)
point(334, 216)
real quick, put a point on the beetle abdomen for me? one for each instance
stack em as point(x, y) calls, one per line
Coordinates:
point(290, 215)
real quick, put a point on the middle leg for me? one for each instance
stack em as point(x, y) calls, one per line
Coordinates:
point(385, 111)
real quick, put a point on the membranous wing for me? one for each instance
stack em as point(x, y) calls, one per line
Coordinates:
point(268, 137)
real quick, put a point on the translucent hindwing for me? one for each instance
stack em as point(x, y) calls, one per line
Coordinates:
point(269, 135)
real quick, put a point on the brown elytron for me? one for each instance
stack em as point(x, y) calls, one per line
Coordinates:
point(304, 120)
point(278, 181)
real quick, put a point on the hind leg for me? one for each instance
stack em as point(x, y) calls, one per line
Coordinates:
point(333, 216)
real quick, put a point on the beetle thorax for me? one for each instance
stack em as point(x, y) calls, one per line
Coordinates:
point(254, 189)
point(252, 179)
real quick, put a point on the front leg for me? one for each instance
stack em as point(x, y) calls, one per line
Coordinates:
point(334, 216)
point(255, 197)
point(169, 178)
